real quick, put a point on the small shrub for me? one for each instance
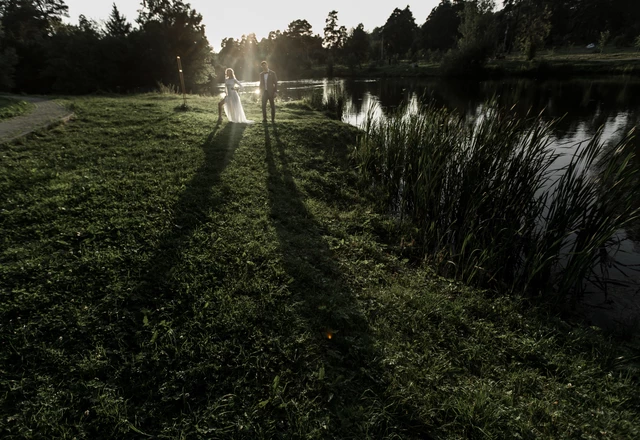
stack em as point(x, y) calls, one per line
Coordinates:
point(620, 41)
point(476, 44)
point(434, 56)
point(467, 61)
point(334, 104)
point(529, 48)
point(533, 30)
point(169, 89)
point(315, 100)
point(604, 39)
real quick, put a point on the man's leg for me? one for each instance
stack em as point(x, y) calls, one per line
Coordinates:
point(264, 106)
point(273, 108)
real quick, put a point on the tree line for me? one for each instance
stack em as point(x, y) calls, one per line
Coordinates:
point(41, 54)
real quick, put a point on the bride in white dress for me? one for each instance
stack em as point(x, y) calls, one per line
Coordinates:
point(232, 105)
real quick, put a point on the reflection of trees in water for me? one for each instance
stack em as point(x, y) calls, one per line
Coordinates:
point(465, 97)
point(518, 95)
point(356, 91)
point(634, 230)
point(580, 107)
point(580, 103)
point(594, 104)
point(626, 123)
point(396, 95)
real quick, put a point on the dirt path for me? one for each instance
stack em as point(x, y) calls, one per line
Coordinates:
point(45, 114)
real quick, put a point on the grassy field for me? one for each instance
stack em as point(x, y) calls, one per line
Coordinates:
point(162, 276)
point(10, 107)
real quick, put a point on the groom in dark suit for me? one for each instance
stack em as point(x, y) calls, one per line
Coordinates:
point(268, 89)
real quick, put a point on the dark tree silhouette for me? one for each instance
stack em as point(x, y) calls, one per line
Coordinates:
point(8, 61)
point(399, 32)
point(168, 29)
point(117, 24)
point(440, 30)
point(334, 35)
point(41, 54)
point(28, 25)
point(357, 46)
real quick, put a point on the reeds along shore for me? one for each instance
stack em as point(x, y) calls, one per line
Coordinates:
point(489, 203)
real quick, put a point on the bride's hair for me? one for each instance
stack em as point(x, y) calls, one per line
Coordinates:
point(229, 73)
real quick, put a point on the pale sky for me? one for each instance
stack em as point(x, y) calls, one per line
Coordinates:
point(235, 18)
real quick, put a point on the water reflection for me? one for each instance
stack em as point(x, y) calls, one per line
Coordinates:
point(580, 107)
point(580, 104)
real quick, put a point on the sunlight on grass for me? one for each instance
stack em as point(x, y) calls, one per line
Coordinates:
point(163, 275)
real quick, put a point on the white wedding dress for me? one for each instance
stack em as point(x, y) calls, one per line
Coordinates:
point(232, 105)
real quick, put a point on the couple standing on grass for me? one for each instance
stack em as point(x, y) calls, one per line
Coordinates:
point(231, 102)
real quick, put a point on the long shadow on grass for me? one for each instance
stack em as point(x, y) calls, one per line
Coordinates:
point(201, 195)
point(159, 295)
point(136, 302)
point(355, 384)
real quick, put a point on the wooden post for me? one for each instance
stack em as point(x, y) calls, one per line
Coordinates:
point(184, 94)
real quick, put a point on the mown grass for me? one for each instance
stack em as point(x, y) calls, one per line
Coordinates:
point(162, 276)
point(10, 108)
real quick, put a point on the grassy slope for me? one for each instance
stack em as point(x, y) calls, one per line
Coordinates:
point(161, 275)
point(10, 108)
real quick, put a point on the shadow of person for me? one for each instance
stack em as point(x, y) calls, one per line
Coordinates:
point(202, 194)
point(307, 256)
point(198, 198)
point(161, 292)
point(329, 308)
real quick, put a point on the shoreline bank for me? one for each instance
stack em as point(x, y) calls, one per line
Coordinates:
point(544, 67)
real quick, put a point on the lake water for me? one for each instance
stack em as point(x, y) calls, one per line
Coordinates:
point(582, 106)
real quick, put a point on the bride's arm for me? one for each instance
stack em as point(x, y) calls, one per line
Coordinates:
point(238, 82)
